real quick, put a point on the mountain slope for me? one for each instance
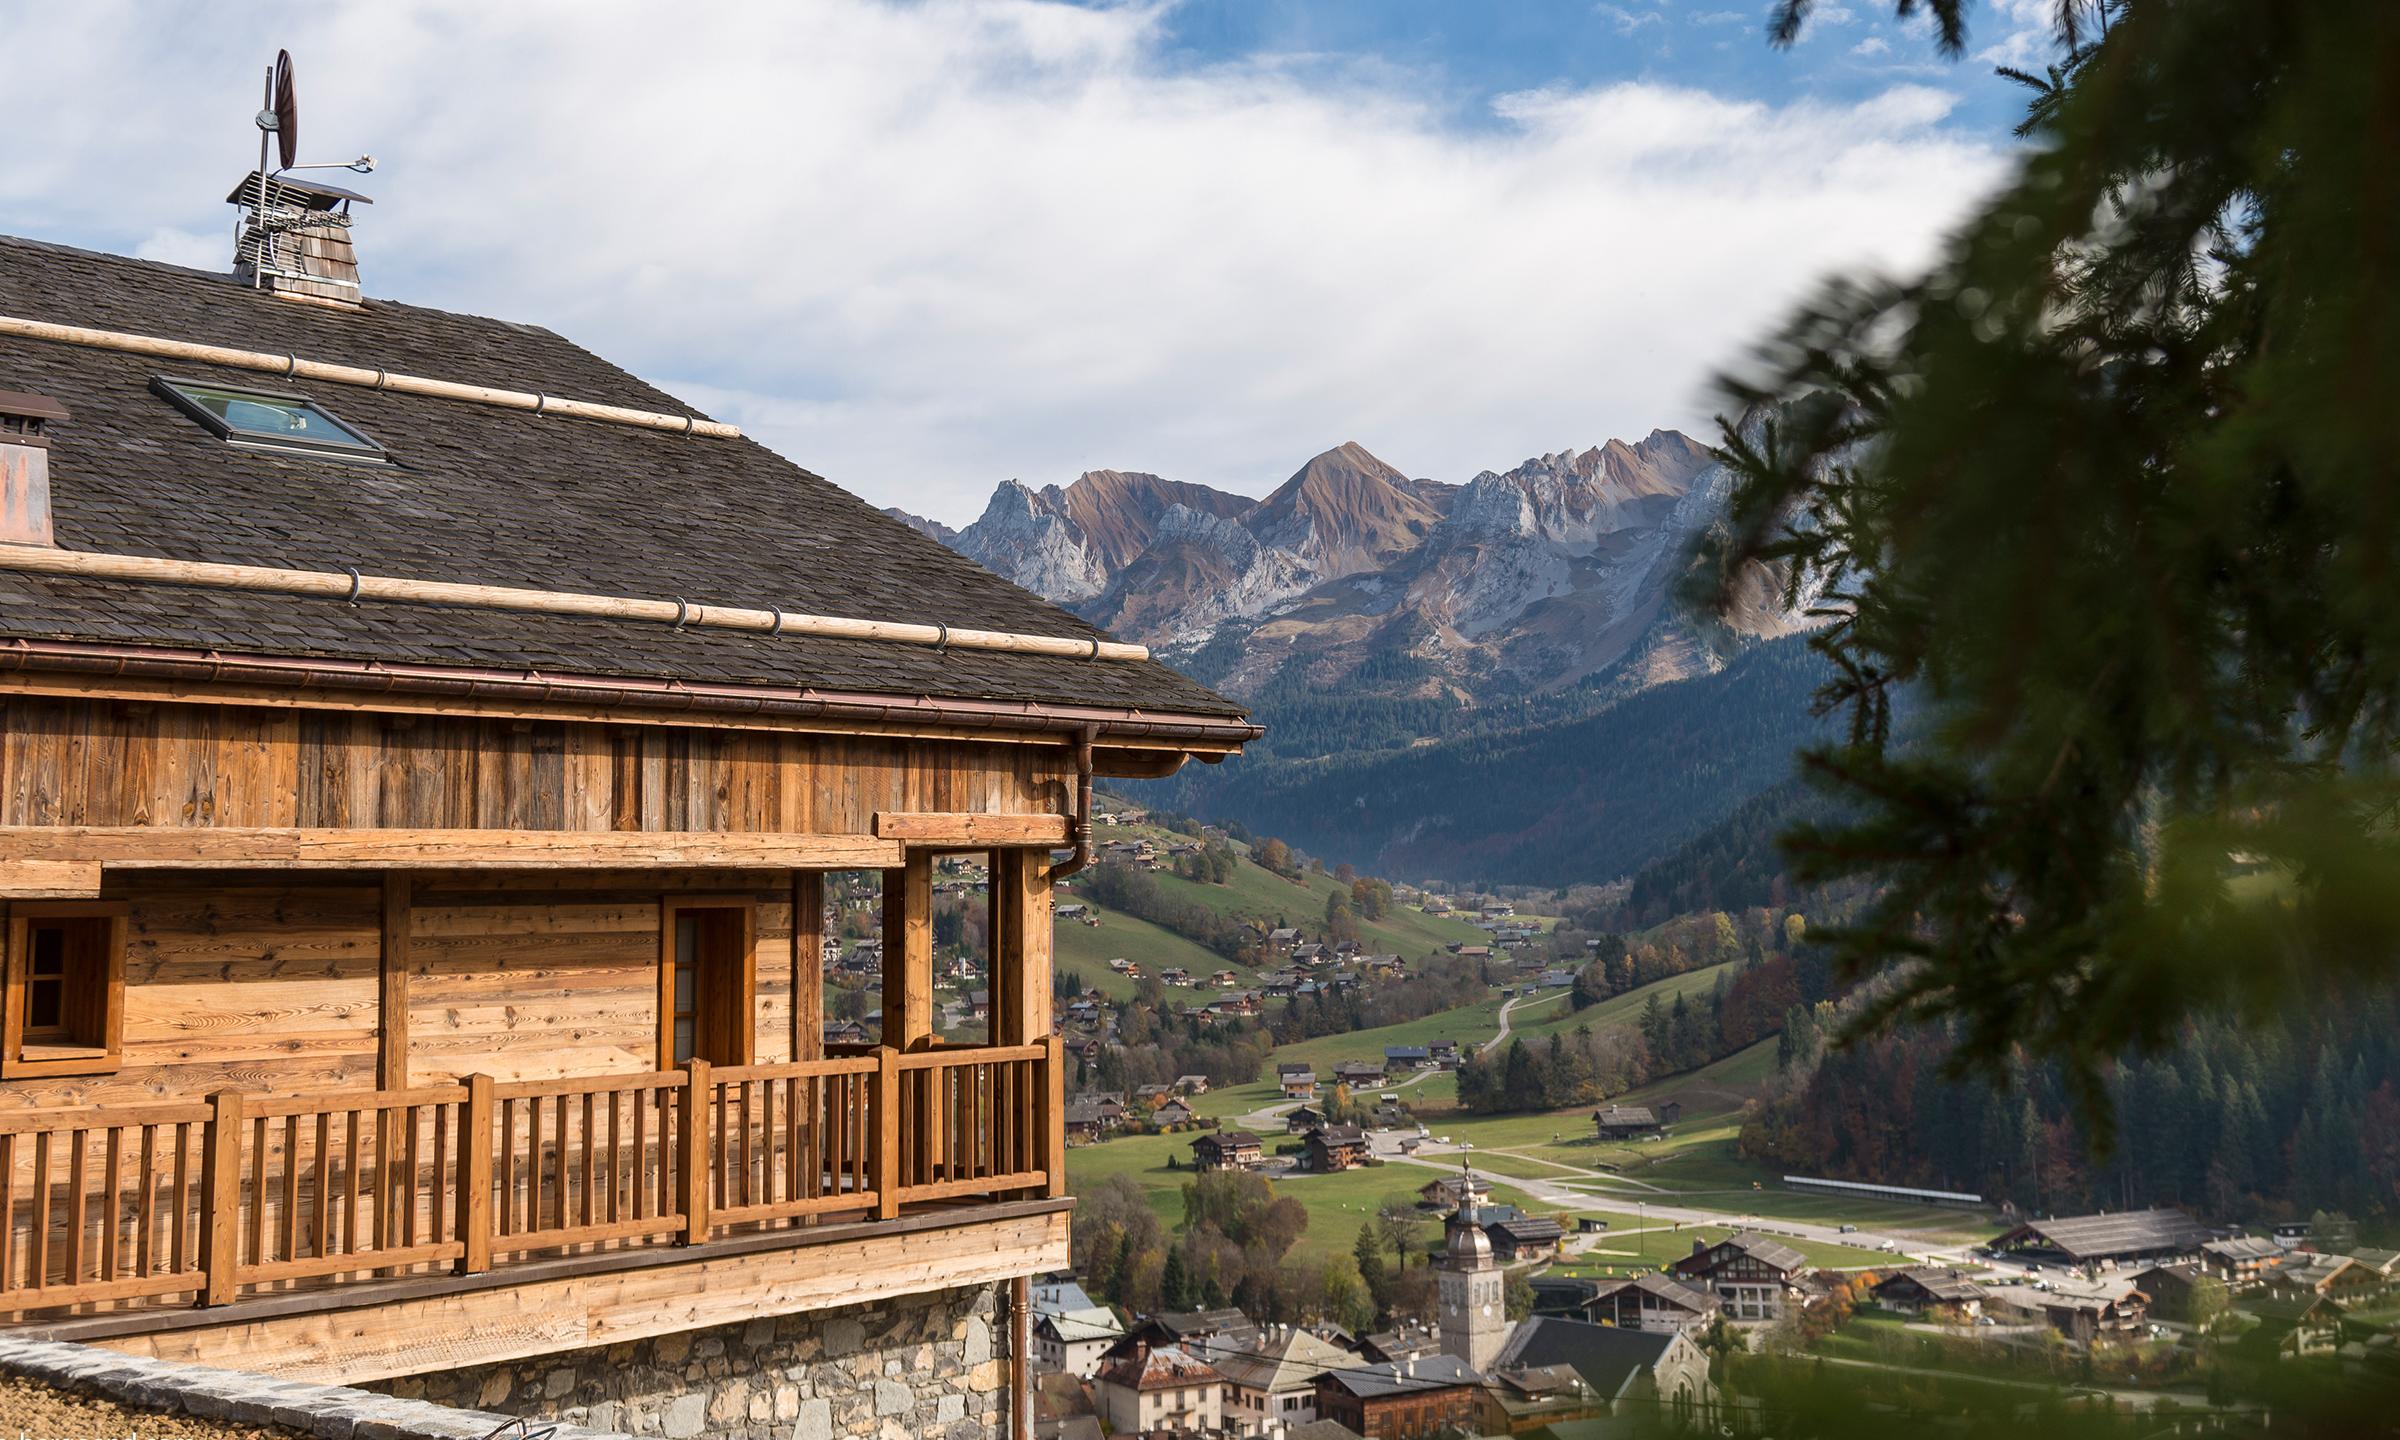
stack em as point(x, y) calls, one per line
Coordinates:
point(1586, 800)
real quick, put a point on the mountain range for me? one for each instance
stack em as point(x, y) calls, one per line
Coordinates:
point(1360, 611)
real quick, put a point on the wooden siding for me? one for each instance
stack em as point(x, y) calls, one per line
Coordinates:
point(270, 983)
point(112, 762)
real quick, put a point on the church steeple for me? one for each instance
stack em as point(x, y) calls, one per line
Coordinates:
point(1472, 1288)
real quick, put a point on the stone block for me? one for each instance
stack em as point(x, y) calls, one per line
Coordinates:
point(686, 1417)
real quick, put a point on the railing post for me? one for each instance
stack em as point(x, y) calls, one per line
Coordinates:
point(1054, 1115)
point(475, 1176)
point(692, 1158)
point(221, 1197)
point(887, 1133)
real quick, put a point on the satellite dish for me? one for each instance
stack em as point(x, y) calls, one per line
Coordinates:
point(285, 102)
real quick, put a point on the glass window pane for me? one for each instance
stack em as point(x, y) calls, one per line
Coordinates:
point(43, 1010)
point(274, 417)
point(683, 1041)
point(683, 989)
point(50, 950)
point(687, 939)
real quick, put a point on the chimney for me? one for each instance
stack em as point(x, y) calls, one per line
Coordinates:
point(25, 467)
point(295, 239)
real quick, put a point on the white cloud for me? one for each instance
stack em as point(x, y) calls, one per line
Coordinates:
point(1872, 45)
point(1721, 17)
point(924, 248)
point(1628, 21)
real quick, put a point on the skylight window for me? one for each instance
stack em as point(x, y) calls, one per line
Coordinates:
point(270, 420)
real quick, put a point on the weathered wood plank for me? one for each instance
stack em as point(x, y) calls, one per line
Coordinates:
point(970, 829)
point(159, 847)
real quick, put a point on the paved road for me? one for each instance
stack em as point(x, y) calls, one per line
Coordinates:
point(1509, 1009)
point(1659, 1204)
point(1269, 1116)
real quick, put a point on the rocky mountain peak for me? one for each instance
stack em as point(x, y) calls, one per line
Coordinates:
point(1343, 512)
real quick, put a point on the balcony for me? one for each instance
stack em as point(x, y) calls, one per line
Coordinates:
point(139, 1224)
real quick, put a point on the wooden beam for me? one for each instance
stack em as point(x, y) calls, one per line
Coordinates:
point(970, 829)
point(49, 880)
point(391, 1008)
point(808, 965)
point(147, 847)
point(454, 1327)
point(1020, 892)
point(908, 953)
point(533, 707)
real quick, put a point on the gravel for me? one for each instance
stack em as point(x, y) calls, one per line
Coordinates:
point(36, 1411)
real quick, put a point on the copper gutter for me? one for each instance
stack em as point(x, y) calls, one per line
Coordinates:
point(1085, 739)
point(1116, 726)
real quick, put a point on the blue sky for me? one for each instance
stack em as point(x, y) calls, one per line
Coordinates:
point(1475, 52)
point(922, 246)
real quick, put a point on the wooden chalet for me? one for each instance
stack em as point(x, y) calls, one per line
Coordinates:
point(1334, 1147)
point(423, 746)
point(1652, 1301)
point(1757, 1278)
point(1228, 1150)
point(1932, 1292)
point(2107, 1241)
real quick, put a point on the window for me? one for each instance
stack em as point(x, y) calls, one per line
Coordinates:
point(270, 420)
point(706, 981)
point(65, 1007)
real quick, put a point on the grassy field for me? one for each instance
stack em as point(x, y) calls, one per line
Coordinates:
point(1625, 1009)
point(1258, 894)
point(1085, 950)
point(1336, 1203)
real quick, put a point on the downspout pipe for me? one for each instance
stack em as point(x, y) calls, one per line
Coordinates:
point(1085, 739)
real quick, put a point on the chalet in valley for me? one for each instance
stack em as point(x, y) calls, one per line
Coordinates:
point(1227, 1150)
point(1758, 1278)
point(2107, 1242)
point(1633, 1122)
point(1334, 1147)
point(426, 748)
point(1653, 1302)
point(1934, 1293)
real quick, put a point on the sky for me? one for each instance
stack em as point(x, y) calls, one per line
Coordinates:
point(921, 248)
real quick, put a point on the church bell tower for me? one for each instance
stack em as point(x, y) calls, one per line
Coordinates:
point(1474, 1318)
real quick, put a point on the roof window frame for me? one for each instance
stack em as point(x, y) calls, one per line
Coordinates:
point(171, 387)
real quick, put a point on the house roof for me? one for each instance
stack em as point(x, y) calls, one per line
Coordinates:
point(1228, 1140)
point(1758, 1247)
point(1160, 1367)
point(1610, 1358)
point(2097, 1237)
point(1625, 1115)
point(1528, 1229)
point(1289, 1361)
point(1340, 1135)
point(1664, 1287)
point(481, 495)
point(1947, 1286)
point(1404, 1377)
point(2243, 1247)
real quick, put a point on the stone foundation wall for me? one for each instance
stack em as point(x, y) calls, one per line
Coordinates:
point(922, 1367)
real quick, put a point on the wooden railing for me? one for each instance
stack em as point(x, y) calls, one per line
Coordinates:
point(212, 1199)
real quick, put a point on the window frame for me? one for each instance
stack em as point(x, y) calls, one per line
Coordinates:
point(77, 1057)
point(736, 991)
point(172, 388)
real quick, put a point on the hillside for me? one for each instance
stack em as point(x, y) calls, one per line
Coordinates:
point(1587, 800)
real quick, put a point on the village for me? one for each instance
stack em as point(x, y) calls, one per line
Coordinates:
point(1631, 1261)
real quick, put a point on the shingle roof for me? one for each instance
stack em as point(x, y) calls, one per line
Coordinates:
point(479, 495)
point(1286, 1362)
point(1665, 1287)
point(2096, 1237)
point(1608, 1357)
point(1429, 1372)
point(1758, 1247)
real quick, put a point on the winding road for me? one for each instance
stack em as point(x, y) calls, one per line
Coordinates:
point(1269, 1116)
